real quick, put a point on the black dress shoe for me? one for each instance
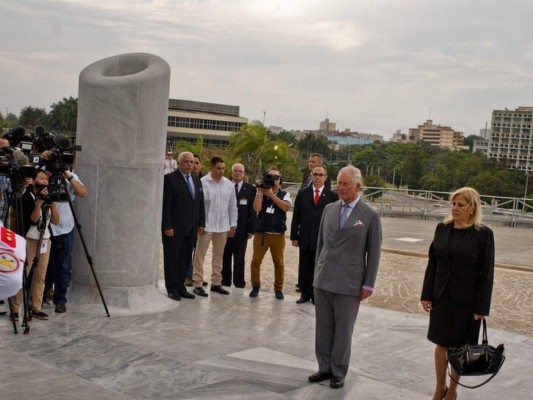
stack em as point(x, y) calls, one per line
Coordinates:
point(336, 382)
point(319, 377)
point(219, 289)
point(302, 300)
point(174, 296)
point(240, 285)
point(200, 291)
point(186, 295)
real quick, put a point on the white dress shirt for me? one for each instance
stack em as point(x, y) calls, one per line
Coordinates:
point(220, 204)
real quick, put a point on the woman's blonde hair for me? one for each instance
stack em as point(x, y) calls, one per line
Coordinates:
point(472, 198)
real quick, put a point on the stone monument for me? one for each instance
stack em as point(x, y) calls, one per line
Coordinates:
point(122, 124)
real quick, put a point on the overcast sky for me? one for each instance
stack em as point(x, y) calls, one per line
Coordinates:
point(370, 65)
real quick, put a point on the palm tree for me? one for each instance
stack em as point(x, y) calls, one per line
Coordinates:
point(63, 115)
point(252, 145)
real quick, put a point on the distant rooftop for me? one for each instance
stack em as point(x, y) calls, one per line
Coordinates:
point(199, 106)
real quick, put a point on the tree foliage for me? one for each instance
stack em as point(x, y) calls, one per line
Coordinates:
point(252, 145)
point(32, 116)
point(63, 116)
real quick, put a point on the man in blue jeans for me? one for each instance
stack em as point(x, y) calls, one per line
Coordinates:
point(60, 264)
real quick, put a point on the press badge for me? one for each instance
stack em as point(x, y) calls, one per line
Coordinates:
point(270, 210)
point(243, 202)
point(44, 246)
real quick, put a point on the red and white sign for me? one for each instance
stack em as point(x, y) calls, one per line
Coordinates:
point(12, 257)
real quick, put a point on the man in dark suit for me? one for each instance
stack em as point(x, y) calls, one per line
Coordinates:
point(183, 218)
point(306, 216)
point(314, 160)
point(196, 170)
point(247, 217)
point(348, 252)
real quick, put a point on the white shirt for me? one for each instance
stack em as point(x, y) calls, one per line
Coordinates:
point(66, 219)
point(33, 232)
point(170, 166)
point(220, 204)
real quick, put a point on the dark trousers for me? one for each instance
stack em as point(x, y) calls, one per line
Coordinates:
point(335, 320)
point(60, 266)
point(177, 254)
point(306, 272)
point(236, 249)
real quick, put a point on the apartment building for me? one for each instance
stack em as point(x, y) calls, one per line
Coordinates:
point(512, 138)
point(436, 135)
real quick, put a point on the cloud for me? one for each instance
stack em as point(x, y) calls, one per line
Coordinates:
point(371, 65)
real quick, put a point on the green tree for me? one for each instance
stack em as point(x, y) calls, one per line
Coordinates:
point(252, 145)
point(312, 143)
point(10, 117)
point(470, 139)
point(64, 115)
point(32, 116)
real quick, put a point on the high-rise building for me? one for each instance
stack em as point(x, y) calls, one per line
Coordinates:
point(188, 120)
point(436, 135)
point(512, 138)
point(327, 127)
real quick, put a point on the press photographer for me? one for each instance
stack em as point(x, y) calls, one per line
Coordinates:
point(37, 213)
point(271, 203)
point(65, 183)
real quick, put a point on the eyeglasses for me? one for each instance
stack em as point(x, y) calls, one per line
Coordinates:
point(317, 174)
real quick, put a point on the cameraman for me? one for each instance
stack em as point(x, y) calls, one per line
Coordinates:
point(34, 205)
point(60, 266)
point(272, 205)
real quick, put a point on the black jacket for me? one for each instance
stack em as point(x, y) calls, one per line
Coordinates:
point(306, 216)
point(247, 217)
point(469, 280)
point(180, 211)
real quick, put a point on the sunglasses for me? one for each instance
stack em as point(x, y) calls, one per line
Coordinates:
point(317, 174)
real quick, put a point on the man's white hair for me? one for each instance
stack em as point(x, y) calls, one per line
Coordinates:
point(183, 154)
point(354, 172)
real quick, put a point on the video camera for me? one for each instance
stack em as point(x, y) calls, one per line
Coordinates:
point(268, 181)
point(51, 152)
point(15, 165)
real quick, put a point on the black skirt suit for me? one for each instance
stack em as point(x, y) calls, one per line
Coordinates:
point(458, 281)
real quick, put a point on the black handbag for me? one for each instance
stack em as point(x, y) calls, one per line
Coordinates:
point(480, 359)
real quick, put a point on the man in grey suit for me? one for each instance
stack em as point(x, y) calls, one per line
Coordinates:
point(347, 260)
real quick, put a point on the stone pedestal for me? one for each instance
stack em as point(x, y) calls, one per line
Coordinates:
point(122, 124)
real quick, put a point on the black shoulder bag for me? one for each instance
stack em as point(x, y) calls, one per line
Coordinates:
point(480, 359)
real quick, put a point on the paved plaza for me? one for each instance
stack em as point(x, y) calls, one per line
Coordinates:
point(234, 347)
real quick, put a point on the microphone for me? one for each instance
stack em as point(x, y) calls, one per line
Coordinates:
point(18, 131)
point(20, 159)
point(62, 141)
point(39, 130)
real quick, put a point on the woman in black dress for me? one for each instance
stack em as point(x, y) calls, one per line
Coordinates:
point(457, 285)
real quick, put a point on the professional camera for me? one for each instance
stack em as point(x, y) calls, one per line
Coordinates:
point(15, 165)
point(41, 139)
point(17, 135)
point(55, 154)
point(268, 181)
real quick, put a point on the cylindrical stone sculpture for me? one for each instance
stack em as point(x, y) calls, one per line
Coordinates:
point(122, 124)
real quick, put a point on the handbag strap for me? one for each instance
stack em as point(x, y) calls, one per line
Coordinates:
point(485, 337)
point(481, 384)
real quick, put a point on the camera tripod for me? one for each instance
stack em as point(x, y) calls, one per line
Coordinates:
point(16, 201)
point(27, 276)
point(87, 255)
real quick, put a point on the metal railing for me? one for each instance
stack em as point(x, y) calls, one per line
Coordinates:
point(432, 204)
point(429, 204)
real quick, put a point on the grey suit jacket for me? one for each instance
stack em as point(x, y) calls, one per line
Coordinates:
point(348, 259)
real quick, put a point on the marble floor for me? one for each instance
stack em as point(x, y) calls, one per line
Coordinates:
point(231, 347)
